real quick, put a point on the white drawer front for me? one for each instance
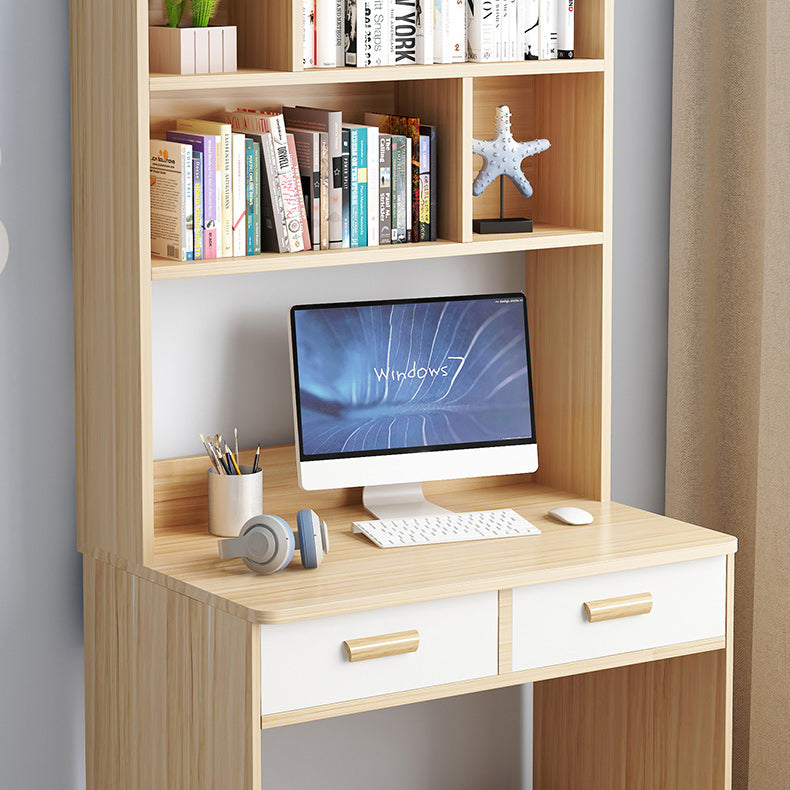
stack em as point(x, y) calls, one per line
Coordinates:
point(550, 625)
point(303, 664)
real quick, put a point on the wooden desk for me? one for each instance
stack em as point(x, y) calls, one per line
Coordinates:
point(641, 701)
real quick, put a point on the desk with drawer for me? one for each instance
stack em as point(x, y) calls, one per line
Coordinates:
point(625, 626)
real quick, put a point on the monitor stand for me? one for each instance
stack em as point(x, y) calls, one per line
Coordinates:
point(399, 500)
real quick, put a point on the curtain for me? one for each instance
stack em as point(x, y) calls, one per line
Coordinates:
point(728, 399)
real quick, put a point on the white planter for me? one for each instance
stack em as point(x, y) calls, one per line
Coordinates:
point(191, 50)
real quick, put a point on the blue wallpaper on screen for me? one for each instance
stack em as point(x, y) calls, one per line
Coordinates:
point(393, 376)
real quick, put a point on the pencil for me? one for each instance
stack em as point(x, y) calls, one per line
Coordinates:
point(257, 458)
point(236, 435)
point(232, 460)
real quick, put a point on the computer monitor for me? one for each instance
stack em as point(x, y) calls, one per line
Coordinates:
point(388, 394)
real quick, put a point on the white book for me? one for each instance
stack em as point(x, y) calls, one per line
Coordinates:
point(455, 12)
point(498, 8)
point(379, 33)
point(425, 23)
point(239, 194)
point(529, 29)
point(171, 196)
point(405, 32)
point(510, 30)
point(308, 33)
point(325, 34)
point(565, 30)
point(480, 30)
point(548, 23)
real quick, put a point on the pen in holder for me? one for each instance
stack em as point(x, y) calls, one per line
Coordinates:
point(233, 500)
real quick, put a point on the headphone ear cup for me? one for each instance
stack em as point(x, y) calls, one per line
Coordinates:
point(310, 543)
point(269, 544)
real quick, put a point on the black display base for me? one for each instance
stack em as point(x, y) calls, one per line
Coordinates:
point(515, 225)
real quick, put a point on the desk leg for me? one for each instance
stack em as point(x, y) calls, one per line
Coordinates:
point(171, 689)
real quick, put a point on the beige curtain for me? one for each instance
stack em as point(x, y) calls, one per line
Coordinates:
point(728, 406)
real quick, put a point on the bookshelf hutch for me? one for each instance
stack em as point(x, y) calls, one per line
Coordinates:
point(177, 643)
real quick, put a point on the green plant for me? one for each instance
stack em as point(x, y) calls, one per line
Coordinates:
point(174, 10)
point(202, 11)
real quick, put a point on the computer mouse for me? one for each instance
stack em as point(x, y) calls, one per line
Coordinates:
point(571, 515)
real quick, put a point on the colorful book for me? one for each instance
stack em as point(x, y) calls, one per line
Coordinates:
point(411, 214)
point(356, 214)
point(346, 182)
point(405, 32)
point(385, 189)
point(197, 202)
point(223, 131)
point(239, 194)
point(371, 182)
point(325, 173)
point(430, 131)
point(171, 195)
point(400, 181)
point(308, 157)
point(329, 121)
point(274, 233)
point(249, 214)
point(208, 145)
point(425, 188)
point(303, 224)
point(256, 197)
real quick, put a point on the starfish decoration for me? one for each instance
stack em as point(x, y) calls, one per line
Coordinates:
point(502, 156)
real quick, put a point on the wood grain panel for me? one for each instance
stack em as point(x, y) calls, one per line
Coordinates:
point(570, 369)
point(653, 726)
point(109, 64)
point(589, 33)
point(269, 33)
point(172, 688)
point(505, 631)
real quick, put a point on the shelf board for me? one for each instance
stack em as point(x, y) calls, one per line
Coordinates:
point(543, 237)
point(254, 78)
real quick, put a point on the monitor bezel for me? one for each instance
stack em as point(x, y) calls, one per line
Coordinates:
point(387, 452)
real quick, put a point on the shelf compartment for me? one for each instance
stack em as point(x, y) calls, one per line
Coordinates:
point(544, 237)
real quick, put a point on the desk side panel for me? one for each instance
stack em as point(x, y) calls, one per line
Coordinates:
point(172, 691)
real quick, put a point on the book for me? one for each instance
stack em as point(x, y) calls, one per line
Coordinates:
point(410, 127)
point(326, 33)
point(171, 193)
point(479, 30)
point(529, 28)
point(430, 132)
point(249, 160)
point(565, 30)
point(256, 197)
point(405, 32)
point(411, 214)
point(377, 48)
point(449, 32)
point(308, 33)
point(197, 202)
point(497, 34)
point(425, 188)
point(308, 157)
point(510, 38)
point(325, 173)
point(305, 228)
point(329, 121)
point(424, 33)
point(223, 131)
point(354, 32)
point(548, 24)
point(239, 194)
point(345, 164)
point(400, 180)
point(274, 233)
point(357, 213)
point(385, 189)
point(208, 145)
point(372, 182)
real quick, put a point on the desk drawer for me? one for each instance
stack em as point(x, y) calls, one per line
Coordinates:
point(686, 601)
point(305, 664)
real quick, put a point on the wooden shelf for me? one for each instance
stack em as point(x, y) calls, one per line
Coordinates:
point(255, 78)
point(543, 238)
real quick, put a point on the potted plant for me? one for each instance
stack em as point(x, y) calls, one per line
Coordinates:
point(199, 49)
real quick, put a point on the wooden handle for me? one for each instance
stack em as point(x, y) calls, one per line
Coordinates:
point(380, 646)
point(612, 608)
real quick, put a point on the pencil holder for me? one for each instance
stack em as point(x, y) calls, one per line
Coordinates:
point(233, 500)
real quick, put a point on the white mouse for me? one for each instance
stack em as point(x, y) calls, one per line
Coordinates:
point(571, 515)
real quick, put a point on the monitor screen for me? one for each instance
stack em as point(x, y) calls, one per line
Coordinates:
point(397, 377)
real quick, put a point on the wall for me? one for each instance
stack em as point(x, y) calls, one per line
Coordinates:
point(40, 592)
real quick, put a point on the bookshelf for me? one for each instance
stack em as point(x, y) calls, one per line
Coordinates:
point(173, 685)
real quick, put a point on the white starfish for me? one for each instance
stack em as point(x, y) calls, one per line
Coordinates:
point(502, 155)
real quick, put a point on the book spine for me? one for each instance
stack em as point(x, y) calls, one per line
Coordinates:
point(197, 202)
point(335, 142)
point(346, 186)
point(340, 30)
point(425, 187)
point(385, 189)
point(239, 195)
point(400, 180)
point(326, 33)
point(354, 33)
point(308, 33)
point(405, 32)
point(256, 197)
point(565, 31)
point(497, 35)
point(210, 197)
point(297, 185)
point(323, 139)
point(456, 15)
point(226, 214)
point(187, 203)
point(373, 186)
point(441, 45)
point(510, 29)
point(249, 162)
point(548, 23)
point(530, 27)
point(379, 33)
point(274, 230)
point(362, 185)
point(410, 213)
point(365, 33)
point(480, 30)
point(391, 11)
point(434, 184)
point(354, 211)
point(166, 200)
point(414, 151)
point(424, 35)
point(315, 191)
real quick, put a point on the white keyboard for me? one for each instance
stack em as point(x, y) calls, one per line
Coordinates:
point(448, 528)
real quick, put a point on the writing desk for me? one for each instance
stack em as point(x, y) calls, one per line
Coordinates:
point(208, 654)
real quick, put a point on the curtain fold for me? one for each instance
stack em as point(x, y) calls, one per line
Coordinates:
point(728, 397)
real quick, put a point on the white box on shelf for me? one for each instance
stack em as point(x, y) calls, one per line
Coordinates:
point(192, 50)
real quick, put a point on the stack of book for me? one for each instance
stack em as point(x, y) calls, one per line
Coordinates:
point(291, 181)
point(405, 32)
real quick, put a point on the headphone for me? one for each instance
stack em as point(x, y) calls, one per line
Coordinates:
point(266, 543)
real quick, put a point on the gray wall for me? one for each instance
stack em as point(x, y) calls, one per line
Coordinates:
point(41, 686)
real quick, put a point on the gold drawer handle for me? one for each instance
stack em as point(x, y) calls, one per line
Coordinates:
point(612, 608)
point(380, 646)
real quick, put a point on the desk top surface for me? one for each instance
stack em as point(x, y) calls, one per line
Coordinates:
point(357, 575)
